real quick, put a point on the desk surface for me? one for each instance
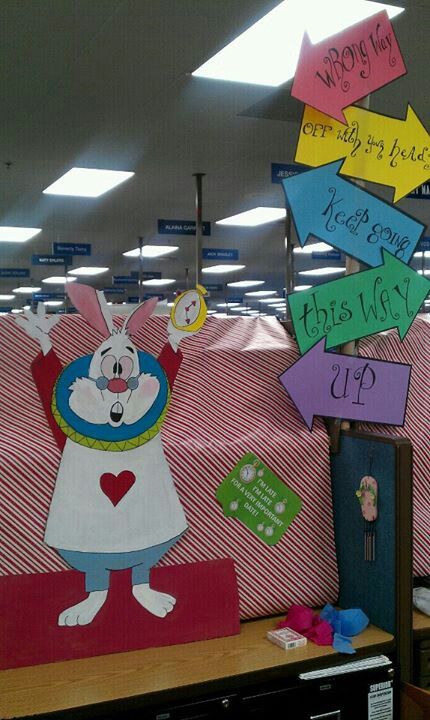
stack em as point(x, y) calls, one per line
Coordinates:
point(81, 683)
point(420, 624)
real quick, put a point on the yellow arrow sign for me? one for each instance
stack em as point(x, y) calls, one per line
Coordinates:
point(376, 147)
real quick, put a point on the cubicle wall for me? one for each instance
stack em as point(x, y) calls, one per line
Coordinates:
point(383, 587)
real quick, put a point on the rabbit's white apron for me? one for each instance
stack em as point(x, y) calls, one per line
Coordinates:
point(83, 518)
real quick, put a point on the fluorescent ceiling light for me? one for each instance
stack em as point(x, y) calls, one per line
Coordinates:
point(420, 272)
point(297, 288)
point(58, 280)
point(268, 51)
point(270, 301)
point(16, 311)
point(323, 271)
point(88, 271)
point(254, 217)
point(251, 312)
point(87, 182)
point(158, 283)
point(278, 305)
point(220, 269)
point(7, 297)
point(220, 315)
point(26, 289)
point(316, 247)
point(228, 305)
point(426, 253)
point(53, 303)
point(26, 307)
point(151, 251)
point(17, 234)
point(246, 283)
point(239, 308)
point(211, 312)
point(260, 293)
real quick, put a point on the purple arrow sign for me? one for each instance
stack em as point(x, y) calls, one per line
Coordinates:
point(342, 386)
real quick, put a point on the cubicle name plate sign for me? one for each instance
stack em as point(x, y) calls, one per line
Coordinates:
point(342, 386)
point(253, 494)
point(360, 304)
point(346, 67)
point(421, 193)
point(342, 214)
point(63, 248)
point(423, 245)
point(14, 272)
point(281, 171)
point(376, 147)
point(181, 227)
point(50, 260)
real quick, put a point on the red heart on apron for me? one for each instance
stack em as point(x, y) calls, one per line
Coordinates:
point(116, 486)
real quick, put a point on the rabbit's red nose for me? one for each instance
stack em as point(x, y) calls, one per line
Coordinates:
point(117, 385)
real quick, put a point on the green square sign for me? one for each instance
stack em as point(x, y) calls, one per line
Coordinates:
point(253, 494)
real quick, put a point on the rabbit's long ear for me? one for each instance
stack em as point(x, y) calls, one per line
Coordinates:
point(92, 305)
point(139, 316)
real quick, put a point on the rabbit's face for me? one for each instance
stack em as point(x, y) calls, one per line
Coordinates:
point(115, 363)
point(115, 392)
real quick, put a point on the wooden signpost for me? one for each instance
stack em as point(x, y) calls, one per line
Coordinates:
point(338, 138)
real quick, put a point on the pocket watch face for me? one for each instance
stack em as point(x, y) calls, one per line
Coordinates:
point(189, 311)
point(247, 473)
point(187, 308)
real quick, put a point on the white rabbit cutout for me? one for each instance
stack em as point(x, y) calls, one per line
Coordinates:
point(114, 504)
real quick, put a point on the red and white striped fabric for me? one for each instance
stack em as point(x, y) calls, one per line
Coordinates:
point(414, 350)
point(227, 401)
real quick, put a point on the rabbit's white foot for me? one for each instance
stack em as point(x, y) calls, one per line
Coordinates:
point(157, 603)
point(84, 612)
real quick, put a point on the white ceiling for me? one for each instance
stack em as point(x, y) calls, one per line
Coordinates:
point(106, 83)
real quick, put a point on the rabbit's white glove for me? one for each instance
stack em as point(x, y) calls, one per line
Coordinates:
point(175, 336)
point(38, 326)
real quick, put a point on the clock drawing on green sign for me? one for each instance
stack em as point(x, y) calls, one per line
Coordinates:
point(253, 494)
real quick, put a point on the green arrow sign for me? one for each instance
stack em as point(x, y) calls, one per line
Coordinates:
point(253, 494)
point(388, 296)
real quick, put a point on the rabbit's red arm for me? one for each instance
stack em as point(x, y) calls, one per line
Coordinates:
point(170, 361)
point(46, 369)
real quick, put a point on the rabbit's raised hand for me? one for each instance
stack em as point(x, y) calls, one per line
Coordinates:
point(175, 335)
point(38, 326)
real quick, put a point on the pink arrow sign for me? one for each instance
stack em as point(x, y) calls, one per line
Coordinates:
point(348, 66)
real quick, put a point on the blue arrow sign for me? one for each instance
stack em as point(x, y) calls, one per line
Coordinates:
point(60, 248)
point(354, 220)
point(14, 272)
